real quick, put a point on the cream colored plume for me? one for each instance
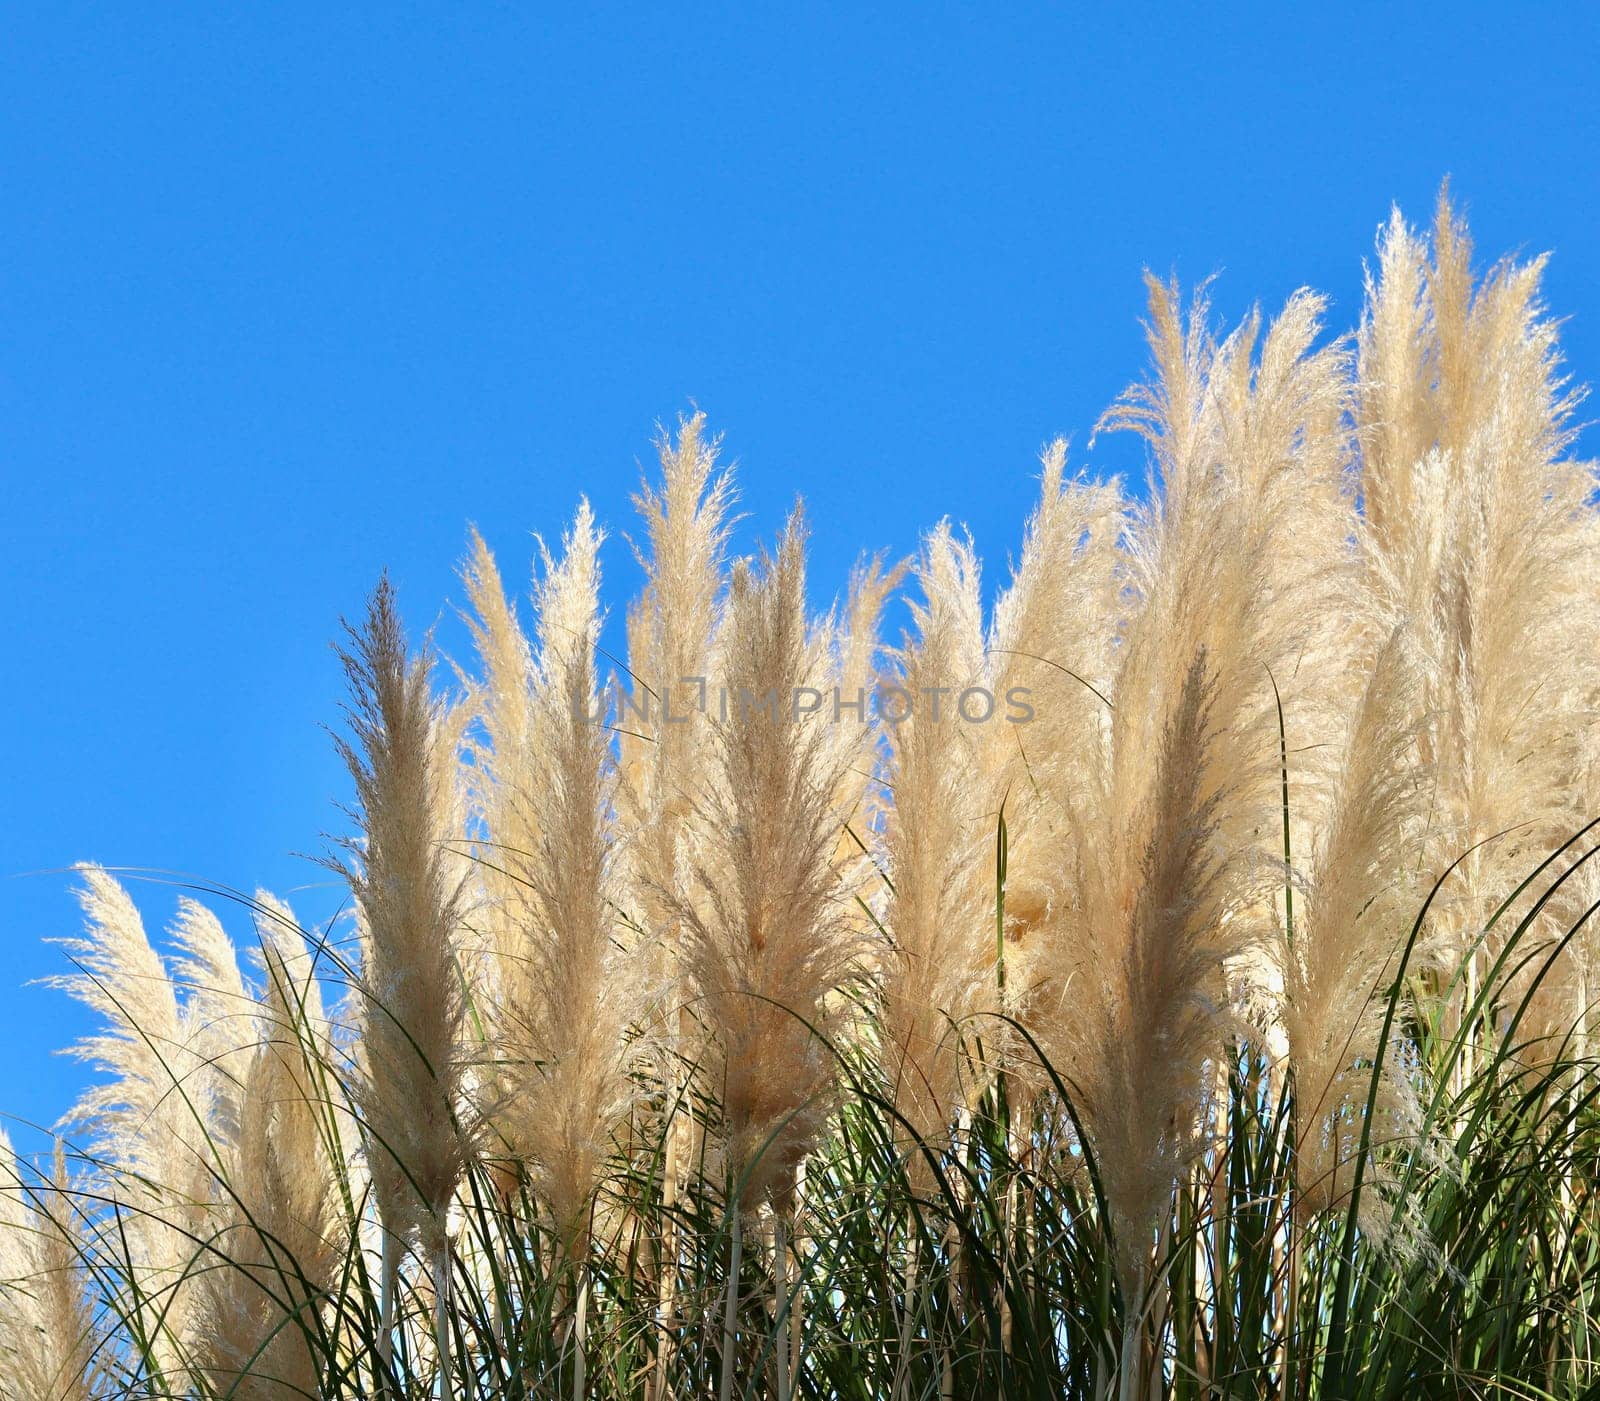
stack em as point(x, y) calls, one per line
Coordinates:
point(845, 657)
point(163, 1126)
point(570, 993)
point(1341, 953)
point(1478, 527)
point(664, 742)
point(411, 1092)
point(499, 746)
point(768, 937)
point(1177, 842)
point(938, 963)
point(1050, 669)
point(278, 1247)
point(48, 1339)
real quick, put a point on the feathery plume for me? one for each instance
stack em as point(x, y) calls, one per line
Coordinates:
point(411, 1091)
point(217, 1017)
point(571, 993)
point(1342, 951)
point(767, 938)
point(1172, 858)
point(846, 651)
point(938, 966)
point(664, 749)
point(48, 1338)
point(1052, 656)
point(1479, 528)
point(670, 645)
point(499, 745)
point(277, 1255)
point(154, 1128)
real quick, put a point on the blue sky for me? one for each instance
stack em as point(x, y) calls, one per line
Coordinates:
point(293, 293)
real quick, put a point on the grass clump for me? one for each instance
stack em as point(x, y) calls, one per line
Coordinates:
point(1176, 982)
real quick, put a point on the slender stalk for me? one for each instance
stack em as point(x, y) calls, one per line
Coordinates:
point(1130, 1366)
point(954, 1253)
point(441, 1314)
point(667, 1284)
point(580, 1339)
point(1294, 1243)
point(1161, 1303)
point(1127, 1367)
point(797, 1304)
point(1291, 1309)
point(780, 1302)
point(902, 1366)
point(1199, 1187)
point(1007, 1225)
point(730, 1317)
point(1580, 1033)
point(388, 1284)
point(1217, 1282)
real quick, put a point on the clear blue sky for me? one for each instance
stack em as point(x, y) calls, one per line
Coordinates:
point(288, 298)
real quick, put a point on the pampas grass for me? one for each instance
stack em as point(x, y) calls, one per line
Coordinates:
point(938, 965)
point(1175, 977)
point(1481, 531)
point(568, 996)
point(1339, 954)
point(568, 993)
point(416, 1118)
point(767, 938)
point(164, 1124)
point(280, 1231)
point(48, 1341)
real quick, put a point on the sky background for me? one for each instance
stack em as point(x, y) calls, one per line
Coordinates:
point(294, 293)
